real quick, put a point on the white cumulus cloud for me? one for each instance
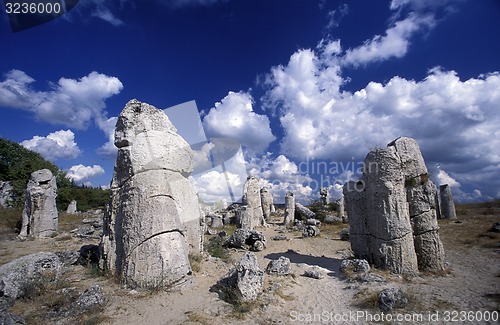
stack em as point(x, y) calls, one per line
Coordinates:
point(70, 102)
point(80, 173)
point(394, 43)
point(234, 118)
point(57, 145)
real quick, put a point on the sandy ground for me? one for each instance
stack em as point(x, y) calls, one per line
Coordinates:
point(471, 284)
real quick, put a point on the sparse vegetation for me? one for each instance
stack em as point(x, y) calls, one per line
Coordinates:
point(195, 261)
point(16, 165)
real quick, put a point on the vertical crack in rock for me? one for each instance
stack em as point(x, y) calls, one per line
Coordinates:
point(392, 211)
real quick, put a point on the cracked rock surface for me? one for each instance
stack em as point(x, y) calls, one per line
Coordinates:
point(153, 215)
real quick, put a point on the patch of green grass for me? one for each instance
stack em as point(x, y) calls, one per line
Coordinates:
point(215, 247)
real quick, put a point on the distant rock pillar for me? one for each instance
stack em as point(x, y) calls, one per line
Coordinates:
point(447, 204)
point(341, 209)
point(251, 198)
point(40, 217)
point(244, 218)
point(267, 202)
point(324, 196)
point(71, 207)
point(289, 208)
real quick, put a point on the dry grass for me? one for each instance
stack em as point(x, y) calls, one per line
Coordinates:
point(197, 318)
point(473, 225)
point(68, 222)
point(195, 261)
point(11, 219)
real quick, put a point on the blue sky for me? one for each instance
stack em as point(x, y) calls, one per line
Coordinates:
point(297, 83)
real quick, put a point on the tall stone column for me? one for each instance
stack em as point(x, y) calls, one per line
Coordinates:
point(251, 198)
point(289, 209)
point(40, 216)
point(447, 204)
point(267, 202)
point(153, 215)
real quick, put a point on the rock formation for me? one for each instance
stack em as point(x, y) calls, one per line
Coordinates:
point(40, 217)
point(392, 211)
point(71, 207)
point(251, 198)
point(244, 218)
point(5, 194)
point(304, 212)
point(341, 209)
point(447, 204)
point(25, 274)
point(324, 196)
point(281, 266)
point(247, 239)
point(289, 209)
point(267, 202)
point(153, 219)
point(245, 282)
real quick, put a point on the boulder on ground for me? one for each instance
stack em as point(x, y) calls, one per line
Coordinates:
point(244, 283)
point(281, 266)
point(91, 299)
point(246, 239)
point(310, 231)
point(20, 276)
point(353, 269)
point(392, 298)
point(304, 212)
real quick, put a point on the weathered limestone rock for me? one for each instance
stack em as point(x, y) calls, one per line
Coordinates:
point(420, 195)
point(392, 298)
point(247, 239)
point(91, 299)
point(6, 195)
point(281, 266)
point(324, 196)
point(251, 198)
point(354, 269)
point(245, 282)
point(341, 209)
point(310, 231)
point(304, 212)
point(289, 209)
point(40, 218)
point(267, 202)
point(71, 207)
point(244, 218)
point(29, 272)
point(392, 211)
point(447, 204)
point(216, 221)
point(331, 220)
point(153, 218)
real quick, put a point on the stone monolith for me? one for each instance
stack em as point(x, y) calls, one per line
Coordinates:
point(267, 202)
point(251, 198)
point(71, 207)
point(392, 211)
point(40, 217)
point(289, 209)
point(153, 215)
point(447, 204)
